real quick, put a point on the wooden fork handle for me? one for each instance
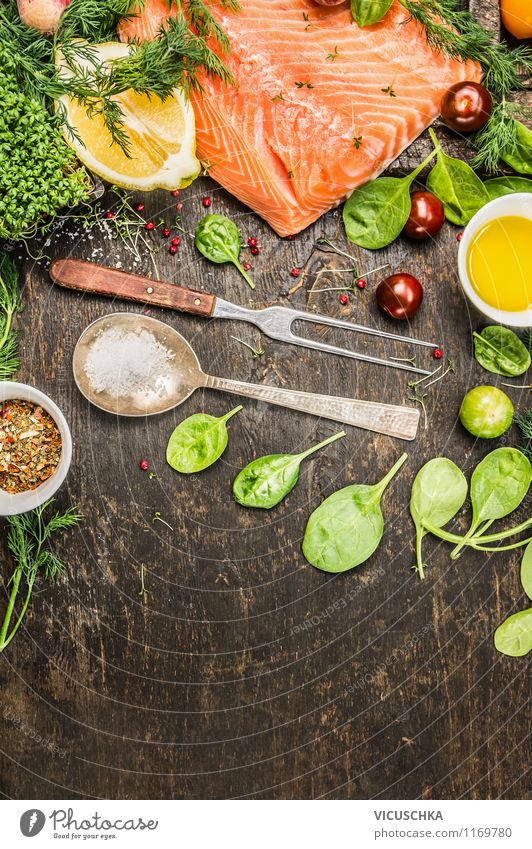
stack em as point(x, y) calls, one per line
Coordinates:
point(99, 280)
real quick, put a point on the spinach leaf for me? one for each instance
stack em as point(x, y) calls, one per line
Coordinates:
point(520, 157)
point(347, 527)
point(267, 480)
point(498, 485)
point(501, 351)
point(438, 492)
point(197, 442)
point(218, 239)
point(526, 570)
point(367, 12)
point(499, 186)
point(376, 213)
point(514, 636)
point(457, 186)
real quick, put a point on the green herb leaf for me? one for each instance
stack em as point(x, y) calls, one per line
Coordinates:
point(498, 485)
point(526, 570)
point(28, 540)
point(456, 185)
point(198, 442)
point(519, 155)
point(368, 12)
point(267, 480)
point(347, 527)
point(514, 636)
point(376, 213)
point(499, 186)
point(438, 492)
point(500, 351)
point(218, 239)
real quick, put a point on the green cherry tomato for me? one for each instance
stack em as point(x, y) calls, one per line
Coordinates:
point(486, 412)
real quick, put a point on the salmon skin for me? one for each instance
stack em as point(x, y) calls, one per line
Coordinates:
point(320, 104)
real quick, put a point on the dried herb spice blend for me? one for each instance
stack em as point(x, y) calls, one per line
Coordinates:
point(30, 446)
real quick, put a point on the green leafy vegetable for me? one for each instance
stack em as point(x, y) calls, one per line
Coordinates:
point(514, 636)
point(367, 12)
point(526, 571)
point(456, 185)
point(39, 174)
point(198, 442)
point(498, 485)
point(499, 186)
point(218, 239)
point(519, 154)
point(438, 492)
point(9, 306)
point(500, 351)
point(28, 540)
point(267, 480)
point(347, 527)
point(376, 213)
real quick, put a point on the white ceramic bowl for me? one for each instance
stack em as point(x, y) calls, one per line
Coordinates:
point(12, 504)
point(518, 204)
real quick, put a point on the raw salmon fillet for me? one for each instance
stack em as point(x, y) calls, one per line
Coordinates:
point(312, 115)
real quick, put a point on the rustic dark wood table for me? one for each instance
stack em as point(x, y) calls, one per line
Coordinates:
point(244, 672)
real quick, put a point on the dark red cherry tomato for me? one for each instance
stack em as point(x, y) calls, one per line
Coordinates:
point(426, 216)
point(466, 107)
point(400, 295)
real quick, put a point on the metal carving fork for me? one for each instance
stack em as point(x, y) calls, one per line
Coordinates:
point(275, 322)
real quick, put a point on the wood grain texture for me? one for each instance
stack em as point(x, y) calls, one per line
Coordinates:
point(244, 672)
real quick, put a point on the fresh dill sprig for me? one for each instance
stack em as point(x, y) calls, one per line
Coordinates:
point(454, 32)
point(174, 58)
point(28, 540)
point(524, 423)
point(9, 307)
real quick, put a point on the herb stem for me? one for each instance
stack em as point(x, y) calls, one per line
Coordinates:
point(393, 471)
point(15, 584)
point(317, 447)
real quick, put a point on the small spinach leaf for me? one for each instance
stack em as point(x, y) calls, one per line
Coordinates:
point(498, 485)
point(347, 527)
point(197, 442)
point(438, 492)
point(514, 636)
point(218, 239)
point(267, 480)
point(457, 186)
point(519, 157)
point(376, 213)
point(501, 351)
point(367, 12)
point(526, 570)
point(499, 186)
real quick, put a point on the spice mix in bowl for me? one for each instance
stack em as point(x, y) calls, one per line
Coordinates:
point(35, 448)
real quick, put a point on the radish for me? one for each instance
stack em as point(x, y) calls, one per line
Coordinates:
point(42, 15)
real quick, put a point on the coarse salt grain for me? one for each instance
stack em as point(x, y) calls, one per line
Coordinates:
point(122, 362)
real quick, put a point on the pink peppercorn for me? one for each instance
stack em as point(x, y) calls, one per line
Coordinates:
point(294, 272)
point(138, 207)
point(179, 205)
point(175, 193)
point(459, 237)
point(206, 202)
point(254, 250)
point(437, 354)
point(172, 249)
point(246, 266)
point(343, 300)
point(165, 233)
point(108, 215)
point(361, 284)
point(175, 241)
point(150, 225)
point(144, 465)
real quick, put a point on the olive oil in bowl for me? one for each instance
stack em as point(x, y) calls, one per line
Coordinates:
point(499, 263)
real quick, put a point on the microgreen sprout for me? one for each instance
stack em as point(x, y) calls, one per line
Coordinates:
point(157, 518)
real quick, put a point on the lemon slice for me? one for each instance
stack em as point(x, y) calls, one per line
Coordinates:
point(162, 134)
